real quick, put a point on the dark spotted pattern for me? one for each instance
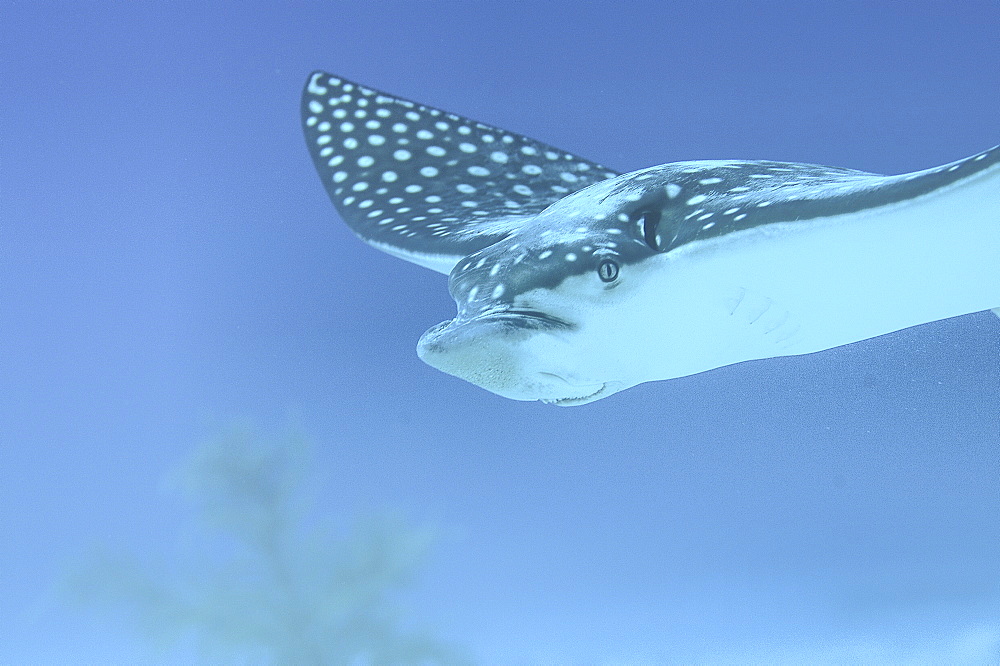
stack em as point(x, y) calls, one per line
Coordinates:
point(421, 180)
point(699, 200)
point(418, 180)
point(632, 217)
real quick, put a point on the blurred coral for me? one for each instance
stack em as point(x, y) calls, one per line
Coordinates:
point(267, 584)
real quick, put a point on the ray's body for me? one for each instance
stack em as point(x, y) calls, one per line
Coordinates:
point(573, 282)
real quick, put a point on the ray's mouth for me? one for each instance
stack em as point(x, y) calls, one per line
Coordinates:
point(569, 402)
point(574, 400)
point(525, 318)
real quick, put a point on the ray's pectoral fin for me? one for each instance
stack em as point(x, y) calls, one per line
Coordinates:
point(763, 321)
point(996, 311)
point(426, 185)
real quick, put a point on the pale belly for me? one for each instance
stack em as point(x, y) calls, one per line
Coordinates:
point(804, 287)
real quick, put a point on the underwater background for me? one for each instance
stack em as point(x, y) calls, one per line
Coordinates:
point(218, 445)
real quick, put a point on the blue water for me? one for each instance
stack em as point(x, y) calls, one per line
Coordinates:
point(170, 265)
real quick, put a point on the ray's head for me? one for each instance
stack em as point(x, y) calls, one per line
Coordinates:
point(541, 312)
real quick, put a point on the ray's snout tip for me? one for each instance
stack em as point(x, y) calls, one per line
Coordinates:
point(430, 344)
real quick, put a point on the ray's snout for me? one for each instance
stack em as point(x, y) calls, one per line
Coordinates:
point(486, 352)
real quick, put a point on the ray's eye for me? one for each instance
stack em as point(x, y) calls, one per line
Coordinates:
point(650, 220)
point(607, 270)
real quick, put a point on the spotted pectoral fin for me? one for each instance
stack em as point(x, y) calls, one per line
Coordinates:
point(424, 184)
point(764, 321)
point(996, 311)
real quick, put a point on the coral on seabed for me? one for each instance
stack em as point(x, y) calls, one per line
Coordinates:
point(270, 586)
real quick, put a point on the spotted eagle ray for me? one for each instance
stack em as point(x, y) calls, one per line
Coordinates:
point(574, 282)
